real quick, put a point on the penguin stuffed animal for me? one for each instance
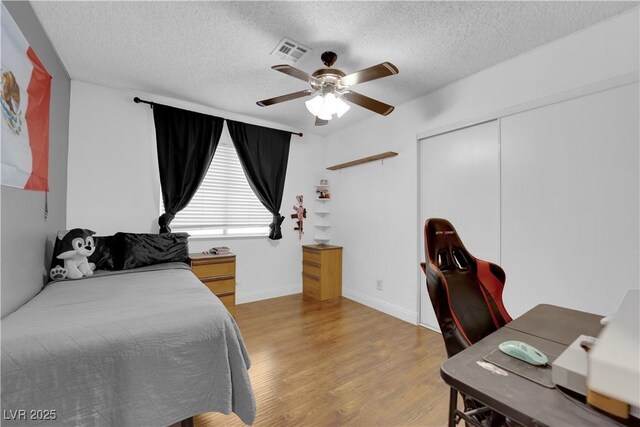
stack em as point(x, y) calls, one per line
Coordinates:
point(75, 247)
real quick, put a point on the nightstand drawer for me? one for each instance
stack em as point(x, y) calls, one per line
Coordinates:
point(310, 281)
point(310, 287)
point(218, 274)
point(220, 286)
point(311, 269)
point(204, 271)
point(312, 256)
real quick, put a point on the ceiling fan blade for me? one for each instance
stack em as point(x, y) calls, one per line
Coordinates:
point(283, 98)
point(294, 72)
point(320, 122)
point(368, 103)
point(376, 72)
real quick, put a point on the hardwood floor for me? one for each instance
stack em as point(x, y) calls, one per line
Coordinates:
point(338, 363)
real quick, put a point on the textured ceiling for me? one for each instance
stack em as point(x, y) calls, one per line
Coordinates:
point(218, 53)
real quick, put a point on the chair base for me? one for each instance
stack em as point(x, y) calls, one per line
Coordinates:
point(480, 415)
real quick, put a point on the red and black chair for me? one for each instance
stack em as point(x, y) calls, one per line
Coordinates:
point(466, 294)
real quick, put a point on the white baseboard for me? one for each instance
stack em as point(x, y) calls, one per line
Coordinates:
point(383, 306)
point(267, 293)
point(431, 328)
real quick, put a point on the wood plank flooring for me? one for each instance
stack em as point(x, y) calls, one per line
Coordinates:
point(338, 363)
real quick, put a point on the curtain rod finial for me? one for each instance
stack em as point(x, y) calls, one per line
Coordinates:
point(136, 100)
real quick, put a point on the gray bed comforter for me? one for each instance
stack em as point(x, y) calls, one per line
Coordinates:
point(146, 348)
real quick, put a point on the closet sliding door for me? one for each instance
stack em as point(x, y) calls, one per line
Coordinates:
point(570, 202)
point(460, 181)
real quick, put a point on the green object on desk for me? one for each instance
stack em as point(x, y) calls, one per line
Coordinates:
point(524, 352)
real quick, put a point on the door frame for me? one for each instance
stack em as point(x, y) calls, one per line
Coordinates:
point(419, 220)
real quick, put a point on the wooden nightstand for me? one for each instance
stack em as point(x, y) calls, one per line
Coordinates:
point(321, 271)
point(218, 273)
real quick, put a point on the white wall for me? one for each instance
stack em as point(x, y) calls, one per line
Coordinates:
point(27, 239)
point(113, 183)
point(375, 206)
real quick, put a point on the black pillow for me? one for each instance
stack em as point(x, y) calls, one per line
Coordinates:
point(103, 255)
point(131, 250)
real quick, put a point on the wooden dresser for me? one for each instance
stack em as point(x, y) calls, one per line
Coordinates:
point(218, 273)
point(321, 271)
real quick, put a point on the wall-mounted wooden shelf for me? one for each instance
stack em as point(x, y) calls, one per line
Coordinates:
point(364, 160)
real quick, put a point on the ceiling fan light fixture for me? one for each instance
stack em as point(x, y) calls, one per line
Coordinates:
point(328, 107)
point(325, 106)
point(341, 107)
point(314, 105)
point(323, 115)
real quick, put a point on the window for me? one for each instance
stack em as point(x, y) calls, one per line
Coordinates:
point(225, 204)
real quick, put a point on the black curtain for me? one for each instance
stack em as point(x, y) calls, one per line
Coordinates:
point(264, 154)
point(186, 142)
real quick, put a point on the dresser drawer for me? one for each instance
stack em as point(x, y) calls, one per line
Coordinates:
point(311, 287)
point(311, 269)
point(203, 271)
point(310, 281)
point(312, 256)
point(220, 286)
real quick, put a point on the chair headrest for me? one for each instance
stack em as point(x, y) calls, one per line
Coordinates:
point(444, 247)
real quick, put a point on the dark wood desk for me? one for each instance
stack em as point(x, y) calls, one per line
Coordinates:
point(558, 324)
point(550, 329)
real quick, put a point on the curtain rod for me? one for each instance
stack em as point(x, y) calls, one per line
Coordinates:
point(138, 101)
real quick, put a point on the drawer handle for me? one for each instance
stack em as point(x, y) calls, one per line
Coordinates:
point(213, 262)
point(225, 294)
point(217, 278)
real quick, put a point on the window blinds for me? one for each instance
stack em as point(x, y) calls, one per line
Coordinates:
point(224, 203)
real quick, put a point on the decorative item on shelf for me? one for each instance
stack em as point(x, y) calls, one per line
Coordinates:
point(323, 193)
point(219, 250)
point(299, 215)
point(322, 190)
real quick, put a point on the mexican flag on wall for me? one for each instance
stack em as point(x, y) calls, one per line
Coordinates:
point(25, 89)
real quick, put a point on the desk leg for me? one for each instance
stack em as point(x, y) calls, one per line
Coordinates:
point(453, 406)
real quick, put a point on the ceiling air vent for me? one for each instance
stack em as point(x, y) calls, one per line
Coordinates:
point(289, 50)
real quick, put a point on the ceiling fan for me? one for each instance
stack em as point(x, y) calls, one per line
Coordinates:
point(332, 87)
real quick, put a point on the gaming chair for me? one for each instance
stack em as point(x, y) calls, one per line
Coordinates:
point(466, 292)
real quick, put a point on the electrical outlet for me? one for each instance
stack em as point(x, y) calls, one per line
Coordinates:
point(379, 284)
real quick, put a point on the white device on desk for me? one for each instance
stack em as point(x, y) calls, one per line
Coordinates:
point(569, 370)
point(614, 361)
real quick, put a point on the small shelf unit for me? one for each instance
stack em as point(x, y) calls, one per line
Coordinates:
point(322, 226)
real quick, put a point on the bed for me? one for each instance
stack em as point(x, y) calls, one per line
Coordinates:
point(144, 347)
